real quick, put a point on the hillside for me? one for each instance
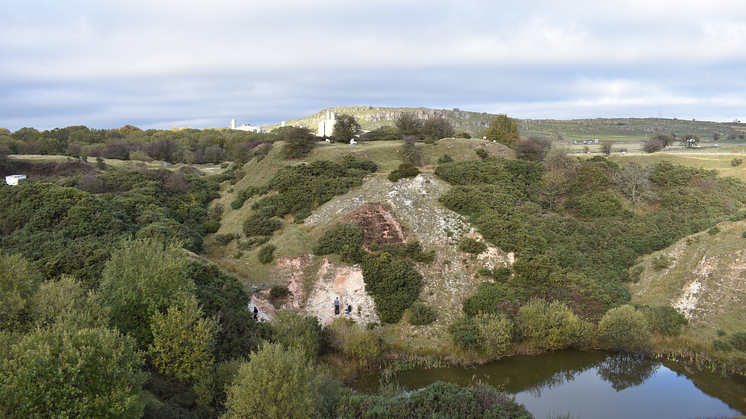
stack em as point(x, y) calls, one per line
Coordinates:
point(614, 129)
point(411, 208)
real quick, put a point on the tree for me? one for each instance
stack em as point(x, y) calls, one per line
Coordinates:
point(345, 129)
point(276, 383)
point(653, 145)
point(393, 283)
point(66, 372)
point(409, 124)
point(553, 325)
point(68, 301)
point(437, 128)
point(503, 130)
point(142, 278)
point(532, 149)
point(300, 332)
point(633, 180)
point(298, 142)
point(410, 152)
point(689, 140)
point(624, 329)
point(606, 147)
point(182, 341)
point(19, 281)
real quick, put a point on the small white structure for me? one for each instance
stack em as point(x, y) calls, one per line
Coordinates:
point(353, 142)
point(12, 180)
point(326, 127)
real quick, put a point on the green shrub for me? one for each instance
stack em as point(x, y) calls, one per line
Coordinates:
point(257, 225)
point(446, 158)
point(352, 340)
point(336, 238)
point(211, 226)
point(495, 334)
point(738, 341)
point(663, 320)
point(413, 249)
point(482, 153)
point(465, 332)
point(252, 243)
point(393, 283)
point(404, 170)
point(469, 245)
point(553, 326)
point(721, 333)
point(624, 329)
point(420, 314)
point(279, 292)
point(300, 332)
point(266, 253)
point(491, 298)
point(713, 231)
point(224, 239)
point(721, 345)
point(660, 262)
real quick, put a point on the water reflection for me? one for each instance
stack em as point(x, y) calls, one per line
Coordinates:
point(597, 384)
point(623, 371)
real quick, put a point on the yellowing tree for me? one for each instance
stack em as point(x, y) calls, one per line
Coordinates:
point(182, 341)
point(504, 130)
point(277, 383)
point(18, 283)
point(495, 333)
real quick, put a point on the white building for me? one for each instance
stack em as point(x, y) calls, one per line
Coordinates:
point(12, 180)
point(246, 127)
point(326, 127)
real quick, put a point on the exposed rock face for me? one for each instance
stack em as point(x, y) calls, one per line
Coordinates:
point(345, 283)
point(381, 226)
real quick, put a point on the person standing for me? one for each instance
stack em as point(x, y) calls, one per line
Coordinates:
point(256, 313)
point(336, 306)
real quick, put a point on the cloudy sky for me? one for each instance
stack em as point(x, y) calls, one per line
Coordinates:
point(164, 63)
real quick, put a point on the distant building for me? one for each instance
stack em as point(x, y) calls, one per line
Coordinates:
point(326, 127)
point(246, 127)
point(12, 180)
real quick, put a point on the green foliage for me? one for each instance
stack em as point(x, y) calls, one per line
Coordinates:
point(67, 301)
point(393, 283)
point(260, 225)
point(226, 238)
point(713, 231)
point(18, 283)
point(495, 334)
point(353, 340)
point(624, 329)
point(298, 141)
point(465, 332)
point(253, 242)
point(182, 341)
point(663, 320)
point(503, 130)
point(470, 245)
point(738, 340)
point(420, 314)
point(721, 345)
point(143, 278)
point(245, 194)
point(599, 205)
point(661, 262)
point(482, 153)
point(302, 333)
point(279, 292)
point(492, 298)
point(266, 253)
point(736, 162)
point(446, 158)
point(336, 238)
point(553, 326)
point(405, 170)
point(67, 372)
point(437, 128)
point(408, 124)
point(345, 128)
point(413, 250)
point(438, 400)
point(276, 383)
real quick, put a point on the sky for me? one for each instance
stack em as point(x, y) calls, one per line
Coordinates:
point(164, 63)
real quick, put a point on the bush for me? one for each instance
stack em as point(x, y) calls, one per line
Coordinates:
point(211, 226)
point(482, 153)
point(624, 329)
point(736, 162)
point(393, 283)
point(661, 262)
point(279, 292)
point(721, 345)
point(336, 238)
point(446, 158)
point(495, 334)
point(224, 239)
point(303, 333)
point(663, 320)
point(553, 326)
point(469, 245)
point(353, 340)
point(420, 314)
point(257, 225)
point(405, 170)
point(465, 332)
point(738, 341)
point(266, 253)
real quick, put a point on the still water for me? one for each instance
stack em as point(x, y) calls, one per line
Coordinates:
point(598, 385)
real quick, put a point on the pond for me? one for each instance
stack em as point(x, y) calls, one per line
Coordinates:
point(596, 385)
